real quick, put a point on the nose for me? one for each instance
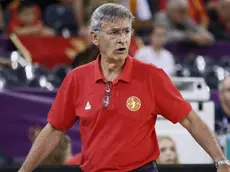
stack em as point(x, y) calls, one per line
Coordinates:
point(168, 153)
point(122, 34)
point(121, 37)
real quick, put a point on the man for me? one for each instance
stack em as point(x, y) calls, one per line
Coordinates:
point(222, 111)
point(155, 53)
point(117, 99)
point(180, 26)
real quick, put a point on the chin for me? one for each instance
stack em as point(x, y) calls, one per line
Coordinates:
point(120, 56)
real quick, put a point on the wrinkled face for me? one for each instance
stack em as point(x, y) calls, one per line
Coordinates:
point(158, 37)
point(225, 93)
point(27, 16)
point(179, 14)
point(168, 153)
point(113, 39)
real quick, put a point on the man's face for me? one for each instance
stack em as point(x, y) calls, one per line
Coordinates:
point(159, 37)
point(179, 14)
point(225, 93)
point(27, 16)
point(114, 38)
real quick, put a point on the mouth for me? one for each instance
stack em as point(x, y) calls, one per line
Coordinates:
point(121, 50)
point(170, 161)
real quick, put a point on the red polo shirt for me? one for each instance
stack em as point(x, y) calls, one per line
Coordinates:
point(120, 137)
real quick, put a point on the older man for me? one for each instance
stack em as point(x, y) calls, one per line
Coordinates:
point(117, 100)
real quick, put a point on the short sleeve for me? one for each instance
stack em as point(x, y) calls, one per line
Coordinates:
point(62, 113)
point(168, 100)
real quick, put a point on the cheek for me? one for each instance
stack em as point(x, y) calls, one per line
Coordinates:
point(106, 46)
point(163, 156)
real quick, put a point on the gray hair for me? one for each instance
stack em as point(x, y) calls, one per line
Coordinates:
point(175, 3)
point(109, 12)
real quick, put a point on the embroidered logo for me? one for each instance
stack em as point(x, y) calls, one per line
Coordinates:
point(133, 103)
point(87, 106)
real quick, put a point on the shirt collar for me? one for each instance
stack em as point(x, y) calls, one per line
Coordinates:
point(125, 75)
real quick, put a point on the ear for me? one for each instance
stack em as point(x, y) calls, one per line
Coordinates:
point(94, 38)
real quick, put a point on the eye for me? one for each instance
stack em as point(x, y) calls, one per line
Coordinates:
point(172, 149)
point(163, 149)
point(114, 32)
point(127, 31)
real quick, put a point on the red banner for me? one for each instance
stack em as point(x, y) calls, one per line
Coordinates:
point(49, 51)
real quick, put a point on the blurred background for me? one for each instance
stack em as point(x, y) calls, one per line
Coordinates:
point(41, 41)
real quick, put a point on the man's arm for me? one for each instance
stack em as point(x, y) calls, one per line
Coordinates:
point(204, 137)
point(43, 145)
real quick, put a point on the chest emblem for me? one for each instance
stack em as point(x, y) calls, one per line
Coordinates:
point(133, 103)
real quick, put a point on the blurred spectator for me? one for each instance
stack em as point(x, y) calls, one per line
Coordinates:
point(180, 26)
point(196, 10)
point(220, 20)
point(11, 12)
point(222, 111)
point(155, 53)
point(26, 23)
point(168, 151)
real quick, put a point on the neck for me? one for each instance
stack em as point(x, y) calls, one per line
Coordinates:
point(111, 68)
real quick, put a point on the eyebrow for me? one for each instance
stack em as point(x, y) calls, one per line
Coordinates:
point(117, 28)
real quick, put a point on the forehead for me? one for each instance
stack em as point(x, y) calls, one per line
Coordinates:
point(166, 142)
point(117, 24)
